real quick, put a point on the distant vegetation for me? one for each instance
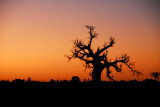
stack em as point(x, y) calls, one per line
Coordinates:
point(155, 75)
point(75, 82)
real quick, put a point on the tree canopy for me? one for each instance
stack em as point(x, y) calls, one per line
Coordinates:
point(99, 60)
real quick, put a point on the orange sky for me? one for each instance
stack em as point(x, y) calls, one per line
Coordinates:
point(36, 35)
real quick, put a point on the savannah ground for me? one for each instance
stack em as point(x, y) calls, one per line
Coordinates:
point(78, 94)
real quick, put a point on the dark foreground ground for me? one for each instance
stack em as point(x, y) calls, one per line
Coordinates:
point(79, 94)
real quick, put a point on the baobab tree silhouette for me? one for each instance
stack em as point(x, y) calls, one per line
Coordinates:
point(99, 60)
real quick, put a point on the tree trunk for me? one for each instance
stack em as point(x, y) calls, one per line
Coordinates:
point(96, 74)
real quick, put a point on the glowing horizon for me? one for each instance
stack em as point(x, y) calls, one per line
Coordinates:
point(36, 35)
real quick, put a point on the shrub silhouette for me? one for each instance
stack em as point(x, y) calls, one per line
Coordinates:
point(155, 75)
point(75, 79)
point(99, 60)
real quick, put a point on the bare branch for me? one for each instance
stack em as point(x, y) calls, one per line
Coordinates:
point(92, 35)
point(88, 65)
point(90, 27)
point(137, 72)
point(79, 44)
point(124, 59)
point(108, 75)
point(117, 68)
point(68, 57)
point(112, 42)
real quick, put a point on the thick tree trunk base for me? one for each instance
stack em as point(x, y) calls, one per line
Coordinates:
point(96, 76)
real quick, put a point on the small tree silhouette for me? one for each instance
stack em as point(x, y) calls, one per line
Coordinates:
point(155, 75)
point(99, 60)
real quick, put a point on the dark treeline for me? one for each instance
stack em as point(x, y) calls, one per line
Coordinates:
point(74, 93)
point(76, 83)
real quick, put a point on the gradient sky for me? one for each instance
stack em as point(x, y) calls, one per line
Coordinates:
point(35, 35)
